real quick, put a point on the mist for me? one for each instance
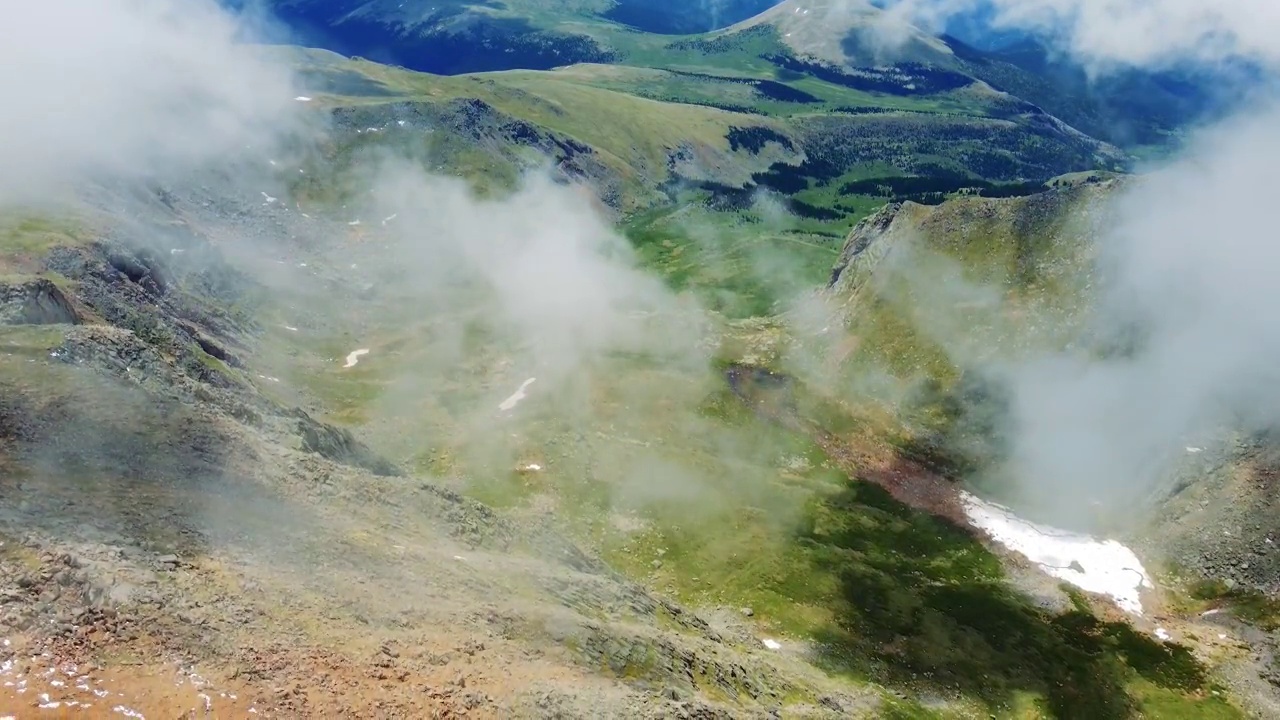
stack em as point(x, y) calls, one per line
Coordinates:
point(1110, 33)
point(130, 88)
point(554, 280)
point(1190, 265)
point(1185, 275)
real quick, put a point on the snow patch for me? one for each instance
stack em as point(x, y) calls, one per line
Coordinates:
point(303, 98)
point(1163, 634)
point(353, 357)
point(772, 644)
point(516, 397)
point(1098, 566)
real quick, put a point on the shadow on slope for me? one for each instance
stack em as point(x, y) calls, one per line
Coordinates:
point(918, 602)
point(682, 17)
point(923, 605)
point(450, 40)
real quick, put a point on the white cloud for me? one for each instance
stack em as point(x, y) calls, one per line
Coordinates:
point(127, 86)
point(1134, 32)
point(1189, 262)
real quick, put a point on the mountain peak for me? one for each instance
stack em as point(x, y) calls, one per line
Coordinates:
point(850, 33)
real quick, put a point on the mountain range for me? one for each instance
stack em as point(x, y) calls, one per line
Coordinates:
point(628, 359)
point(1136, 108)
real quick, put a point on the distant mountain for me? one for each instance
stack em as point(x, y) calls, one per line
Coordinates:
point(446, 36)
point(1129, 108)
point(847, 43)
point(455, 36)
point(684, 17)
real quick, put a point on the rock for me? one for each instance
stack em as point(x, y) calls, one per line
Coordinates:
point(339, 445)
point(37, 302)
point(748, 612)
point(863, 236)
point(674, 693)
point(142, 268)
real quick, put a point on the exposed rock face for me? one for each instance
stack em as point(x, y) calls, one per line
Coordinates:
point(862, 249)
point(37, 302)
point(340, 445)
point(168, 331)
point(490, 129)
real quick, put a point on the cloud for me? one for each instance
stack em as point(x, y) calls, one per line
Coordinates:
point(1190, 266)
point(1130, 32)
point(128, 87)
point(553, 280)
point(1185, 272)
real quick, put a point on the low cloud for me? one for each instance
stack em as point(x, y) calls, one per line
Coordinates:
point(1184, 274)
point(1132, 32)
point(126, 88)
point(556, 282)
point(1189, 280)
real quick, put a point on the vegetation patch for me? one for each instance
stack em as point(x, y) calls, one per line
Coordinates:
point(900, 79)
point(1252, 606)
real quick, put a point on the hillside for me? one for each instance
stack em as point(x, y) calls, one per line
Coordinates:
point(838, 43)
point(703, 379)
point(605, 571)
point(723, 151)
point(180, 415)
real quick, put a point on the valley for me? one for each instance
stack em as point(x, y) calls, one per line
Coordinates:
point(614, 360)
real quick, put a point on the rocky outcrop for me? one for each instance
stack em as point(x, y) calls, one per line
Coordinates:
point(339, 445)
point(482, 125)
point(37, 302)
point(862, 249)
point(166, 330)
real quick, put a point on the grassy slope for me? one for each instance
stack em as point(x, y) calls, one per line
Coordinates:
point(658, 467)
point(634, 114)
point(665, 473)
point(684, 489)
point(668, 475)
point(632, 135)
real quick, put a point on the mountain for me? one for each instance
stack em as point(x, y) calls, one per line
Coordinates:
point(1129, 108)
point(179, 417)
point(1134, 109)
point(718, 380)
point(676, 17)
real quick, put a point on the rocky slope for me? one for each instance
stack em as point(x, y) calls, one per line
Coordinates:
point(1000, 279)
point(170, 519)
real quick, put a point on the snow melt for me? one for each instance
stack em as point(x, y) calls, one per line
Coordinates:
point(1104, 567)
point(517, 396)
point(353, 357)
